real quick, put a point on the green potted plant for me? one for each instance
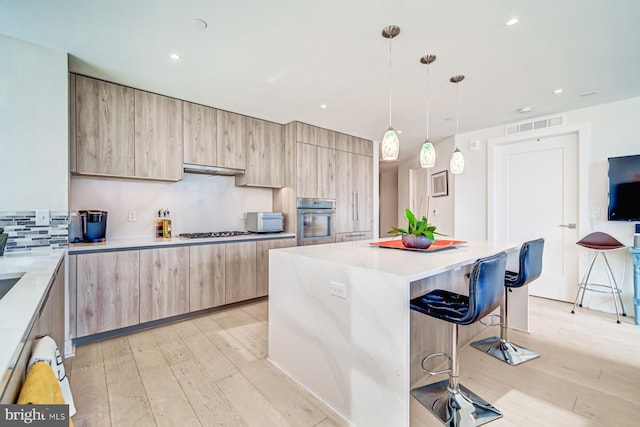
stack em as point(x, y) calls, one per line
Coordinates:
point(419, 234)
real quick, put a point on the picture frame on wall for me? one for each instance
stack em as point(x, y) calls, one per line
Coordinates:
point(440, 184)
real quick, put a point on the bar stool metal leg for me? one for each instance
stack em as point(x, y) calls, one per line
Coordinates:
point(454, 404)
point(501, 348)
point(613, 288)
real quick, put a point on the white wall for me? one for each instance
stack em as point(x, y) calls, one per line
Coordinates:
point(197, 203)
point(441, 208)
point(34, 128)
point(388, 201)
point(615, 131)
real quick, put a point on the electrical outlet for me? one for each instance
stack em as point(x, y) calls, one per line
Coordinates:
point(43, 217)
point(133, 216)
point(338, 290)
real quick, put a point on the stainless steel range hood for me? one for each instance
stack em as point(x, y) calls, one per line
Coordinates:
point(211, 170)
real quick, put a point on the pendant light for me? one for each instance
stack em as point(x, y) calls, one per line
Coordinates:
point(456, 164)
point(427, 152)
point(390, 141)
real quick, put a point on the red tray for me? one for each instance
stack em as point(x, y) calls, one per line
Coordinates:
point(437, 245)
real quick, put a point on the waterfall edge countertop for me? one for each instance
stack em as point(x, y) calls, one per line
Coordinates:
point(146, 243)
point(20, 306)
point(340, 322)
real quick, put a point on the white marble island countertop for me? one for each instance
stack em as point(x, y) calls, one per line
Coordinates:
point(19, 307)
point(411, 265)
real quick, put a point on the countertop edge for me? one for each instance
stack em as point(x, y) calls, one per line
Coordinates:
point(150, 243)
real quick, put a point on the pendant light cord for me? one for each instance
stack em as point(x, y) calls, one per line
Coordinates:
point(427, 103)
point(390, 93)
point(457, 109)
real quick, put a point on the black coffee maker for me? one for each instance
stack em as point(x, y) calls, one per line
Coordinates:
point(94, 226)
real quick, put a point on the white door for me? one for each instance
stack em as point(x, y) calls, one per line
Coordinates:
point(536, 195)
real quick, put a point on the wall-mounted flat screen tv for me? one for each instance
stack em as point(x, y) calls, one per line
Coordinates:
point(624, 188)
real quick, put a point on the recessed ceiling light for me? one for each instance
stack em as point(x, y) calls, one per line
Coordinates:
point(512, 21)
point(526, 109)
point(323, 106)
point(175, 57)
point(199, 24)
point(399, 131)
point(557, 91)
point(593, 92)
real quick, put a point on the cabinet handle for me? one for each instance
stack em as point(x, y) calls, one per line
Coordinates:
point(353, 206)
point(357, 206)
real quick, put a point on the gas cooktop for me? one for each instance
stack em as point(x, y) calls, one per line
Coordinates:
point(213, 234)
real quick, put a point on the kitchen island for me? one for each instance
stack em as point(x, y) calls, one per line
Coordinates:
point(340, 323)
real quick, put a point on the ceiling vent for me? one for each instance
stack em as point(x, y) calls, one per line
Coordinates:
point(534, 124)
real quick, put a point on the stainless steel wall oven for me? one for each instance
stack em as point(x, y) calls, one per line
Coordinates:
point(316, 221)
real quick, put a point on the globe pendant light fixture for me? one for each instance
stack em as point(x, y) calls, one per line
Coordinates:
point(390, 141)
point(427, 152)
point(456, 164)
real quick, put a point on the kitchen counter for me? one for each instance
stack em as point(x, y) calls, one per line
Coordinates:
point(340, 322)
point(20, 306)
point(146, 243)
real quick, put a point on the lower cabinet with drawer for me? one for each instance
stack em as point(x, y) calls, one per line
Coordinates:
point(118, 289)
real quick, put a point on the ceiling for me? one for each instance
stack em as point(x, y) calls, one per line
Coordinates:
point(279, 60)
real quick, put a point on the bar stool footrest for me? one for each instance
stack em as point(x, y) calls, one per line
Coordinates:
point(594, 287)
point(461, 409)
point(505, 350)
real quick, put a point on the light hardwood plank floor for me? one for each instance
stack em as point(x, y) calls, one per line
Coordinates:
point(212, 371)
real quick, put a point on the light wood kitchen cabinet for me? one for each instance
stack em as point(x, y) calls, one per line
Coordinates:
point(262, 270)
point(264, 154)
point(326, 185)
point(206, 276)
point(51, 319)
point(164, 282)
point(316, 169)
point(306, 133)
point(240, 271)
point(102, 140)
point(158, 136)
point(326, 138)
point(230, 145)
point(307, 170)
point(200, 130)
point(354, 192)
point(106, 291)
point(353, 144)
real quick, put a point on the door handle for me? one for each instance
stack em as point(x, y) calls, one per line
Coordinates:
point(570, 226)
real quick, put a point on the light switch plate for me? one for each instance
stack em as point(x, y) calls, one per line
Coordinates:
point(43, 217)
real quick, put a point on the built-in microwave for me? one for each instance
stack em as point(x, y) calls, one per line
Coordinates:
point(316, 221)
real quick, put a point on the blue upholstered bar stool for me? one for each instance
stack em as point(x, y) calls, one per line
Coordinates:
point(451, 402)
point(530, 268)
point(600, 243)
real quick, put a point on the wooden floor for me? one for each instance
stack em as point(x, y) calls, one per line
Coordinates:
point(212, 371)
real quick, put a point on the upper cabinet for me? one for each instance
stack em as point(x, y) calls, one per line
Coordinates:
point(104, 131)
point(158, 140)
point(264, 144)
point(200, 128)
point(353, 144)
point(123, 132)
point(230, 147)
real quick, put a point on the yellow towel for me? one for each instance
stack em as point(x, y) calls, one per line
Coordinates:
point(41, 387)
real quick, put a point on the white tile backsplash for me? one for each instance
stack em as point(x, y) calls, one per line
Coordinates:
point(197, 203)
